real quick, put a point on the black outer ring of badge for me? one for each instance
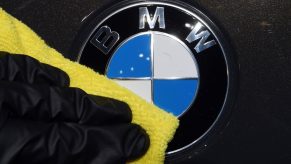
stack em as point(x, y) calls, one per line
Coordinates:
point(206, 118)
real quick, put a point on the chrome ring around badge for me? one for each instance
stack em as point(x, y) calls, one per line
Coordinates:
point(169, 56)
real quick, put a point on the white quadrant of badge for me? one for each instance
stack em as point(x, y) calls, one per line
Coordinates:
point(158, 67)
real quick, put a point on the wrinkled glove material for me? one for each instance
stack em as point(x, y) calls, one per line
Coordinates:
point(46, 121)
point(17, 38)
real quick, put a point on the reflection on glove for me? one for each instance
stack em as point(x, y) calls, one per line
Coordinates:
point(42, 120)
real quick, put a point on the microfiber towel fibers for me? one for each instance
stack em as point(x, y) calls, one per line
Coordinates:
point(17, 38)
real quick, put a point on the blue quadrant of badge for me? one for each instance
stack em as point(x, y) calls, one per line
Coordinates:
point(174, 96)
point(132, 59)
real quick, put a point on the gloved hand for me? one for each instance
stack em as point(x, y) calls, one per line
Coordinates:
point(42, 120)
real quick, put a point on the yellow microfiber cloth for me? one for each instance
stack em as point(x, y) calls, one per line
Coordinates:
point(15, 37)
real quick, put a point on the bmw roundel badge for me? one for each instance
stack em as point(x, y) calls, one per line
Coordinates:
point(168, 53)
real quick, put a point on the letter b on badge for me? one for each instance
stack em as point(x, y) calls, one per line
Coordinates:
point(105, 39)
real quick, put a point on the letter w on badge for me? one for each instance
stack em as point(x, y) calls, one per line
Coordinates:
point(144, 16)
point(201, 36)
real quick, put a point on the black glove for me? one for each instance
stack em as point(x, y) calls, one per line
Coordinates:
point(42, 120)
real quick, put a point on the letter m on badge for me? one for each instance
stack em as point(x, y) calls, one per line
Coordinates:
point(144, 16)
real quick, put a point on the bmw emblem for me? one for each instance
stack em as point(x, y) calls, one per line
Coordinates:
point(170, 54)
